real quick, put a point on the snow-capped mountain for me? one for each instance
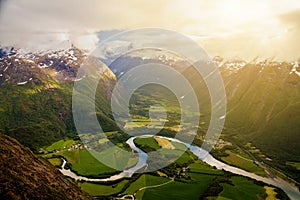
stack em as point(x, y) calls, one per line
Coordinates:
point(21, 67)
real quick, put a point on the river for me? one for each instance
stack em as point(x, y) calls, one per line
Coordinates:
point(290, 189)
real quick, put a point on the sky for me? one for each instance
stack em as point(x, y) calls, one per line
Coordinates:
point(229, 28)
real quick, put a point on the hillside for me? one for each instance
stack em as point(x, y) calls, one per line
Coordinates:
point(263, 104)
point(24, 175)
point(36, 94)
point(264, 109)
point(262, 100)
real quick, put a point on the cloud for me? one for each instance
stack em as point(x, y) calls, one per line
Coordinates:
point(26, 21)
point(41, 23)
point(291, 18)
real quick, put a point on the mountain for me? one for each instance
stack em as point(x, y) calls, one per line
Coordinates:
point(263, 102)
point(36, 94)
point(24, 175)
point(264, 105)
point(263, 99)
point(264, 110)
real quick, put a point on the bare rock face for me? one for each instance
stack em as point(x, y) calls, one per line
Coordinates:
point(24, 175)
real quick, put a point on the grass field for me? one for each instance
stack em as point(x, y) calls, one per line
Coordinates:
point(242, 188)
point(145, 180)
point(59, 145)
point(200, 167)
point(191, 189)
point(243, 163)
point(187, 190)
point(132, 125)
point(186, 157)
point(151, 142)
point(57, 162)
point(147, 144)
point(95, 189)
point(116, 157)
point(192, 185)
point(178, 155)
point(85, 164)
point(164, 143)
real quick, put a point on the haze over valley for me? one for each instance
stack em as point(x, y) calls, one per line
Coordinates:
point(61, 68)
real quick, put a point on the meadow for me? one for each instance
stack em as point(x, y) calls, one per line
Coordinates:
point(96, 189)
point(60, 145)
point(83, 163)
point(243, 163)
point(194, 178)
point(241, 188)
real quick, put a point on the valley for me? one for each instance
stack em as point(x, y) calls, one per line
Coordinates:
point(184, 168)
point(149, 100)
point(260, 137)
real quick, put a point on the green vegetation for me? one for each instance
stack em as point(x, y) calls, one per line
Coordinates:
point(152, 94)
point(115, 157)
point(193, 178)
point(242, 188)
point(143, 181)
point(264, 110)
point(193, 181)
point(40, 113)
point(264, 104)
point(243, 163)
point(31, 113)
point(96, 189)
point(57, 162)
point(59, 145)
point(201, 167)
point(83, 163)
point(147, 144)
point(187, 190)
point(185, 158)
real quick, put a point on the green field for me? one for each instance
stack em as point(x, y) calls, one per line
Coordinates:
point(85, 164)
point(187, 190)
point(57, 162)
point(192, 187)
point(60, 145)
point(242, 188)
point(200, 167)
point(143, 181)
point(195, 182)
point(185, 158)
point(243, 163)
point(95, 189)
point(147, 144)
point(137, 123)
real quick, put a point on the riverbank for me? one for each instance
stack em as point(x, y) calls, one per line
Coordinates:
point(291, 190)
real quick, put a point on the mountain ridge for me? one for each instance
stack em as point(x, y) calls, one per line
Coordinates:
point(24, 175)
point(263, 101)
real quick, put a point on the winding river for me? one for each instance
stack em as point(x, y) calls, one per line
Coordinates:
point(290, 189)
